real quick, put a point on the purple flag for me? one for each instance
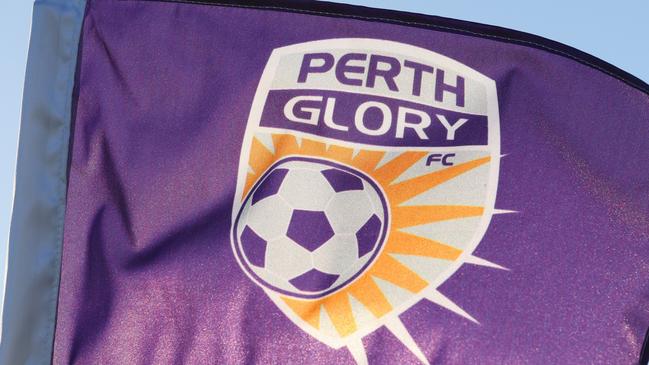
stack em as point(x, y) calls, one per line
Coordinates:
point(288, 182)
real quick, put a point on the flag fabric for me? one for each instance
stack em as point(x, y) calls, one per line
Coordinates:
point(290, 182)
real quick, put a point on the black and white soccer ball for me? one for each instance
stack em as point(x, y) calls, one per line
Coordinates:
point(310, 226)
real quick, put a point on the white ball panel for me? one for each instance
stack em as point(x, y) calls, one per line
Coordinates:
point(269, 218)
point(373, 196)
point(304, 165)
point(287, 259)
point(272, 278)
point(348, 211)
point(352, 269)
point(337, 255)
point(306, 190)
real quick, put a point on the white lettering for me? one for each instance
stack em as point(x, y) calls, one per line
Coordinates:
point(359, 119)
point(402, 124)
point(314, 113)
point(451, 128)
point(329, 116)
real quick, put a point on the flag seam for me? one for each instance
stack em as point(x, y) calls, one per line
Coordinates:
point(515, 38)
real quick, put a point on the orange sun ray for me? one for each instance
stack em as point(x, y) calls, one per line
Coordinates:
point(397, 166)
point(285, 144)
point(405, 190)
point(389, 269)
point(339, 310)
point(367, 160)
point(371, 296)
point(260, 159)
point(312, 148)
point(309, 311)
point(409, 216)
point(409, 244)
point(339, 153)
point(250, 180)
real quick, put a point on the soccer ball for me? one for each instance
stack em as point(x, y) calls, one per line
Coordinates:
point(310, 226)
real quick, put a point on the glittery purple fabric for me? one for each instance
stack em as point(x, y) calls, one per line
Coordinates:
point(148, 274)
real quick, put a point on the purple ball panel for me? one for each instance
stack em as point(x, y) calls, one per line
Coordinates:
point(342, 181)
point(314, 281)
point(254, 247)
point(368, 235)
point(270, 186)
point(309, 229)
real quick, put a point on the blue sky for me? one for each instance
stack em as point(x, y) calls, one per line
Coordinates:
point(615, 31)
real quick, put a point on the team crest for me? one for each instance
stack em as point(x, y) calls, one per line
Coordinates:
point(367, 177)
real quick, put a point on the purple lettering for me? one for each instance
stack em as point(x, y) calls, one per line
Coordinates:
point(394, 68)
point(457, 89)
point(343, 68)
point(419, 70)
point(308, 67)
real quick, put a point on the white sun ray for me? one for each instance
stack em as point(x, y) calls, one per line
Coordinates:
point(355, 152)
point(428, 268)
point(472, 177)
point(393, 293)
point(326, 326)
point(466, 189)
point(448, 232)
point(266, 139)
point(475, 260)
point(362, 315)
point(504, 211)
point(357, 350)
point(400, 331)
point(387, 158)
point(504, 155)
point(441, 300)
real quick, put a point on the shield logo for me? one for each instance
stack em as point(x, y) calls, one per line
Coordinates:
point(367, 177)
